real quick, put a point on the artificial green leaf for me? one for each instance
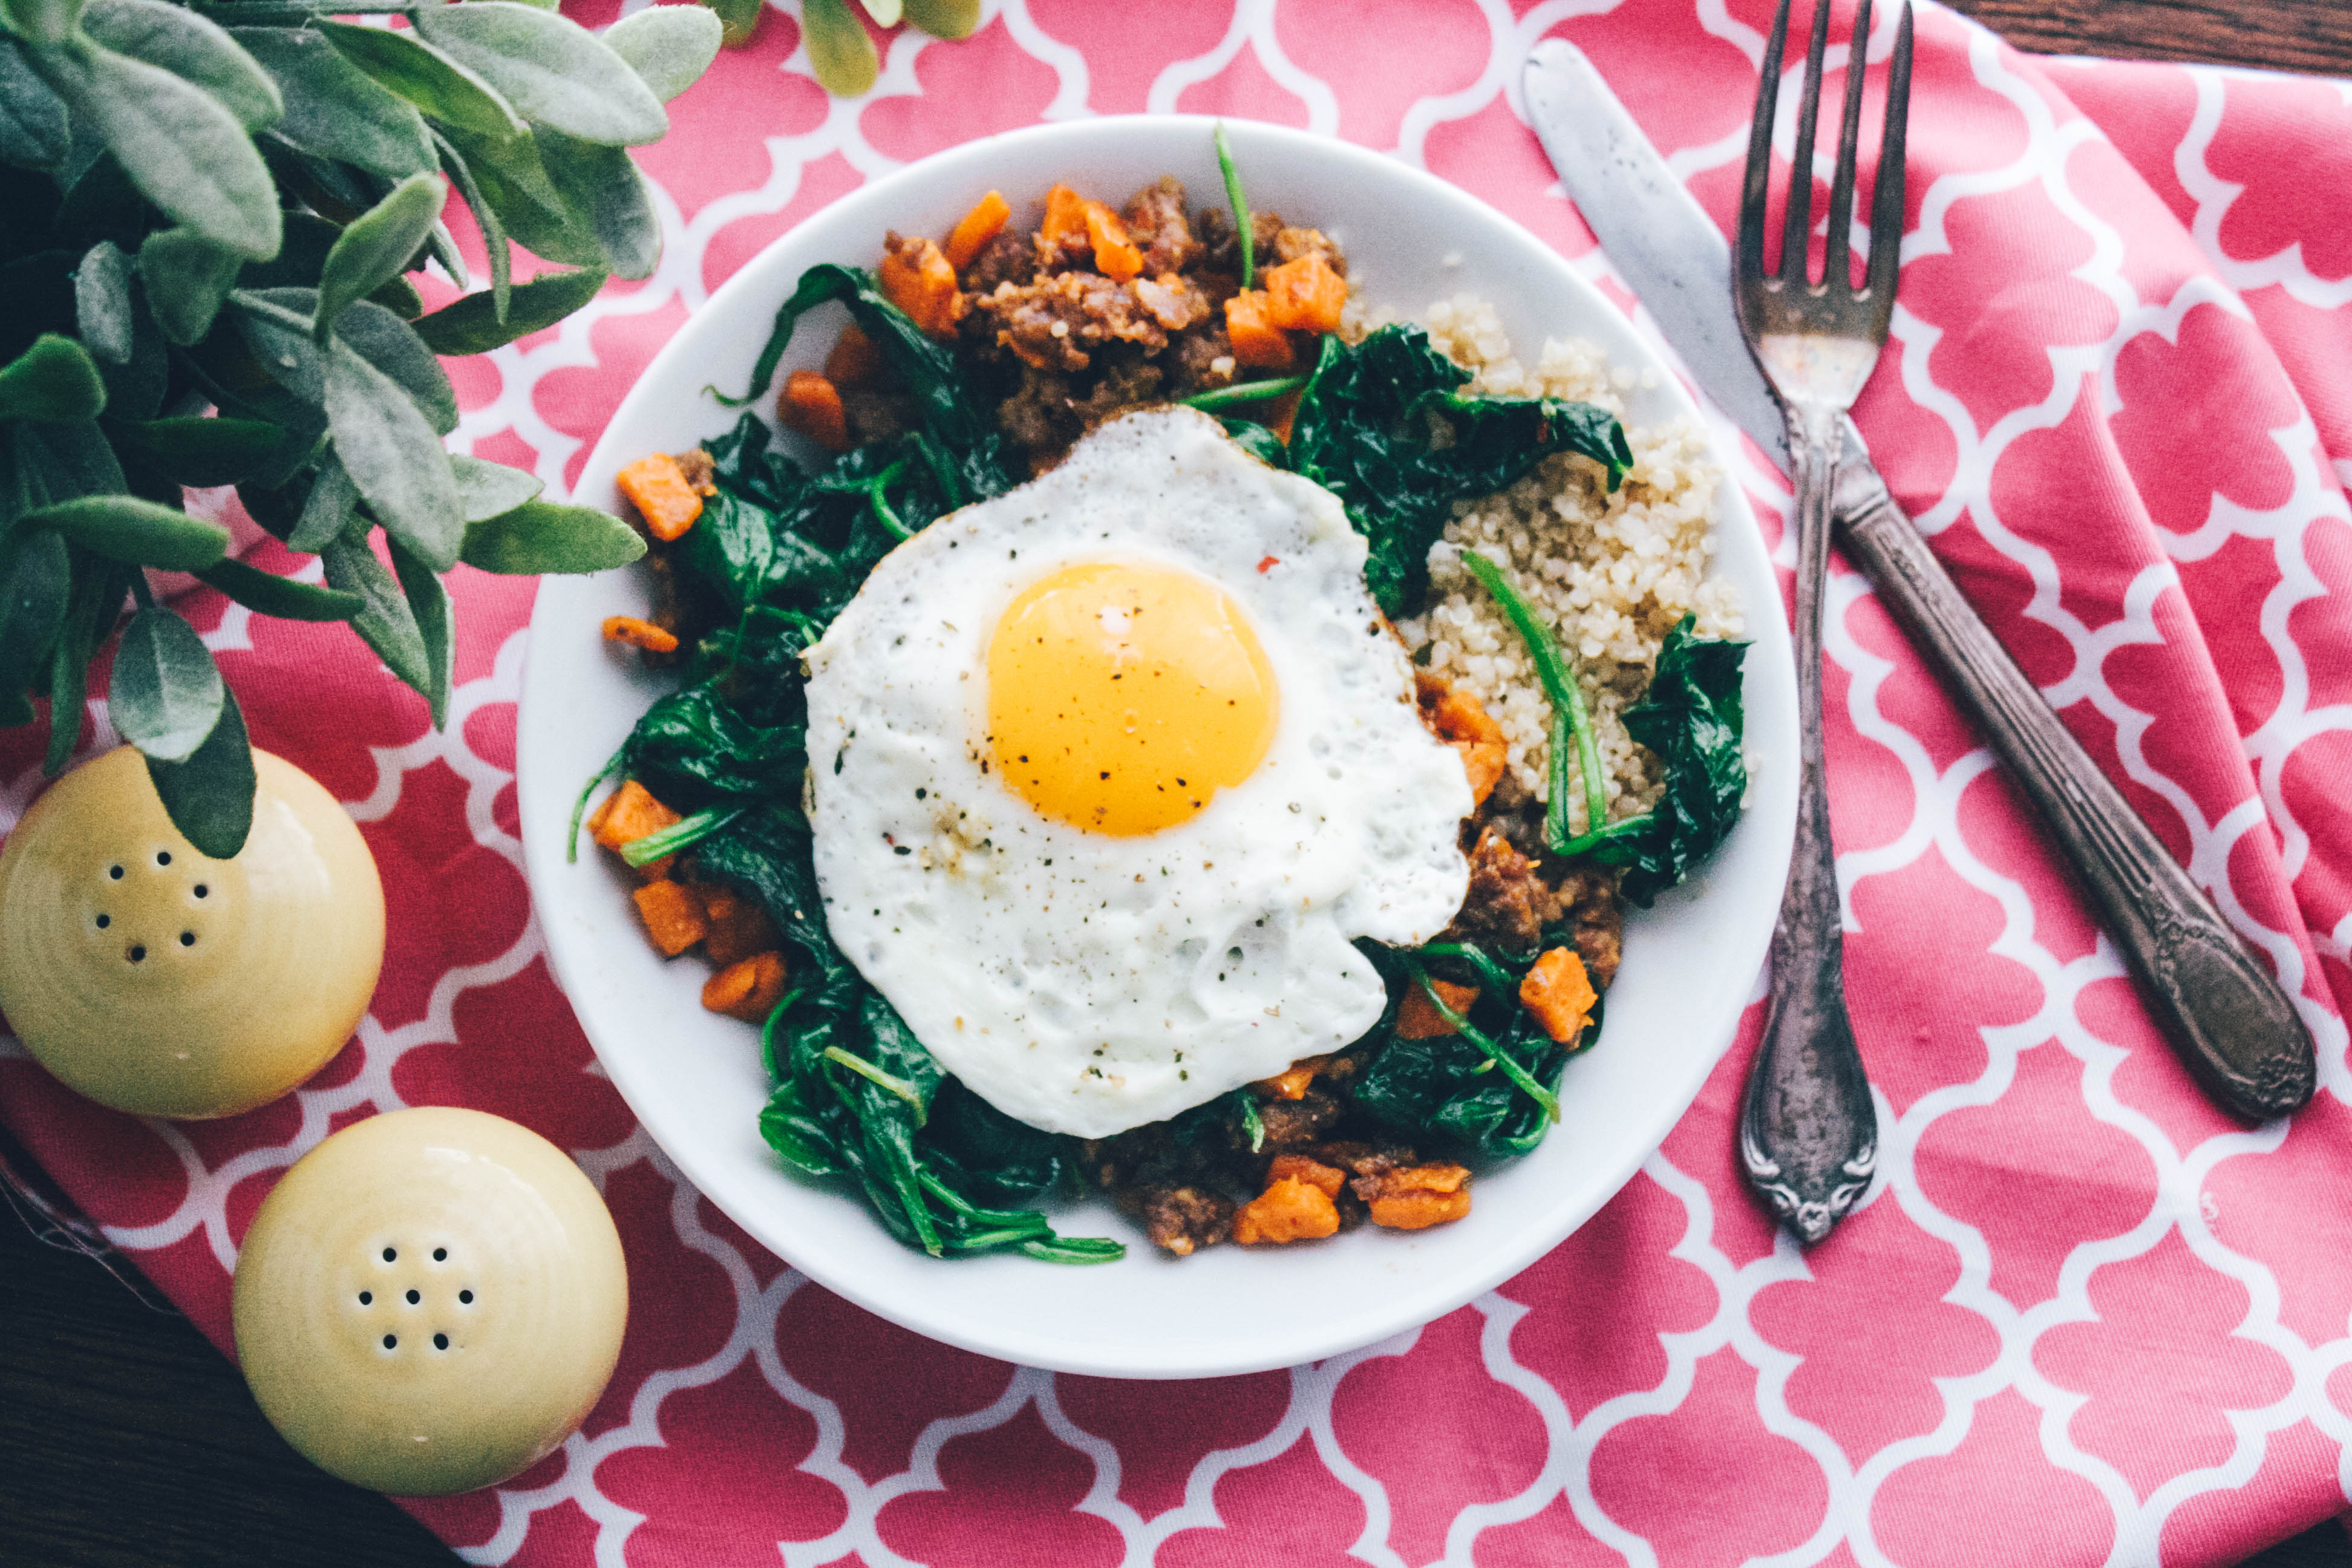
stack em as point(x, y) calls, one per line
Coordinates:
point(944, 18)
point(165, 692)
point(602, 184)
point(884, 12)
point(551, 69)
point(33, 130)
point(485, 217)
point(92, 603)
point(139, 532)
point(335, 109)
point(400, 297)
point(40, 21)
point(840, 50)
point(394, 457)
point(485, 490)
point(512, 180)
point(209, 797)
point(668, 45)
point(385, 623)
point(103, 310)
point(186, 154)
point(540, 536)
point(392, 345)
point(428, 606)
point(200, 451)
point(186, 278)
point(442, 247)
point(327, 510)
point(739, 20)
point(190, 47)
point(275, 325)
point(470, 325)
point(62, 462)
point(268, 594)
point(375, 247)
point(54, 382)
point(32, 607)
point(435, 83)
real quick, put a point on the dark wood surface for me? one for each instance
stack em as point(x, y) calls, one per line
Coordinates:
point(126, 1442)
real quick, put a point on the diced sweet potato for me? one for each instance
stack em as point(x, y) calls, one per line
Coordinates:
point(639, 632)
point(673, 916)
point(1305, 295)
point(973, 232)
point(1454, 714)
point(1258, 341)
point(855, 361)
point(1558, 994)
point(628, 815)
point(1417, 1020)
point(916, 276)
point(1115, 257)
point(1288, 1210)
point(810, 404)
point(1292, 1081)
point(1419, 1196)
point(1314, 1173)
point(658, 489)
point(739, 926)
point(748, 988)
point(1066, 217)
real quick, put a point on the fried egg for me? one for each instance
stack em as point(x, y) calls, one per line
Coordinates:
point(1107, 775)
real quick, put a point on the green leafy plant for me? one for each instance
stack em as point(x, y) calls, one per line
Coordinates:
point(840, 50)
point(214, 209)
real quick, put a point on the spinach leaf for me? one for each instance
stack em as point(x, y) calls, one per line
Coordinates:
point(1691, 717)
point(692, 747)
point(1363, 431)
point(951, 415)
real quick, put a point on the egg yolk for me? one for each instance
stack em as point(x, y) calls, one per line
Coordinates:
point(1122, 697)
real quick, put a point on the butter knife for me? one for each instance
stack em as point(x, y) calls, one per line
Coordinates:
point(2231, 1022)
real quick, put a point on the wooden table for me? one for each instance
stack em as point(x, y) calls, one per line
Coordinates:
point(126, 1442)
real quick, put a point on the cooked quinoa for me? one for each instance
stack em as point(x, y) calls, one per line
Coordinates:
point(1611, 572)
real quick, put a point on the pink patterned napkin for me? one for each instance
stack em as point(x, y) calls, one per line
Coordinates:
point(2084, 1318)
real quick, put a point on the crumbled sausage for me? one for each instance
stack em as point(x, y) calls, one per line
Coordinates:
point(1508, 902)
point(1290, 244)
point(1156, 224)
point(1182, 1220)
point(1054, 323)
point(1007, 258)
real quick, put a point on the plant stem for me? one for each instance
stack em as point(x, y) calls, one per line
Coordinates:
point(683, 834)
point(868, 1070)
point(1477, 1037)
point(1242, 226)
point(1558, 677)
point(1243, 392)
point(580, 807)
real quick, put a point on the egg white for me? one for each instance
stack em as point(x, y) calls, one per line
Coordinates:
point(1088, 983)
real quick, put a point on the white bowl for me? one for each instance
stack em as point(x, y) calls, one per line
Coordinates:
point(694, 1078)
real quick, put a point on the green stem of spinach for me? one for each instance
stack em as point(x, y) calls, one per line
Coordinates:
point(683, 834)
point(1243, 392)
point(868, 1070)
point(881, 506)
point(1477, 1037)
point(580, 807)
point(1241, 228)
point(1074, 1249)
point(1477, 958)
point(1558, 677)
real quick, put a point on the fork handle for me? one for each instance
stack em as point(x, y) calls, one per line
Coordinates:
point(2228, 1018)
point(1807, 1131)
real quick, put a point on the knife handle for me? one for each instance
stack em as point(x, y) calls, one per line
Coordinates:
point(2228, 1018)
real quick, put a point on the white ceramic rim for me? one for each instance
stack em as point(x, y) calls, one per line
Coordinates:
point(872, 1273)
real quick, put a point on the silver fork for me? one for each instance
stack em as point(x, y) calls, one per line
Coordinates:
point(1807, 1131)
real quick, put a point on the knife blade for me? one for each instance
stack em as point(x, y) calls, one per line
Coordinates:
point(2231, 1021)
point(1658, 237)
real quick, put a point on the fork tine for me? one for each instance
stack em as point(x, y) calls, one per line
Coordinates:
point(1837, 273)
point(1887, 198)
point(1797, 228)
point(1756, 182)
